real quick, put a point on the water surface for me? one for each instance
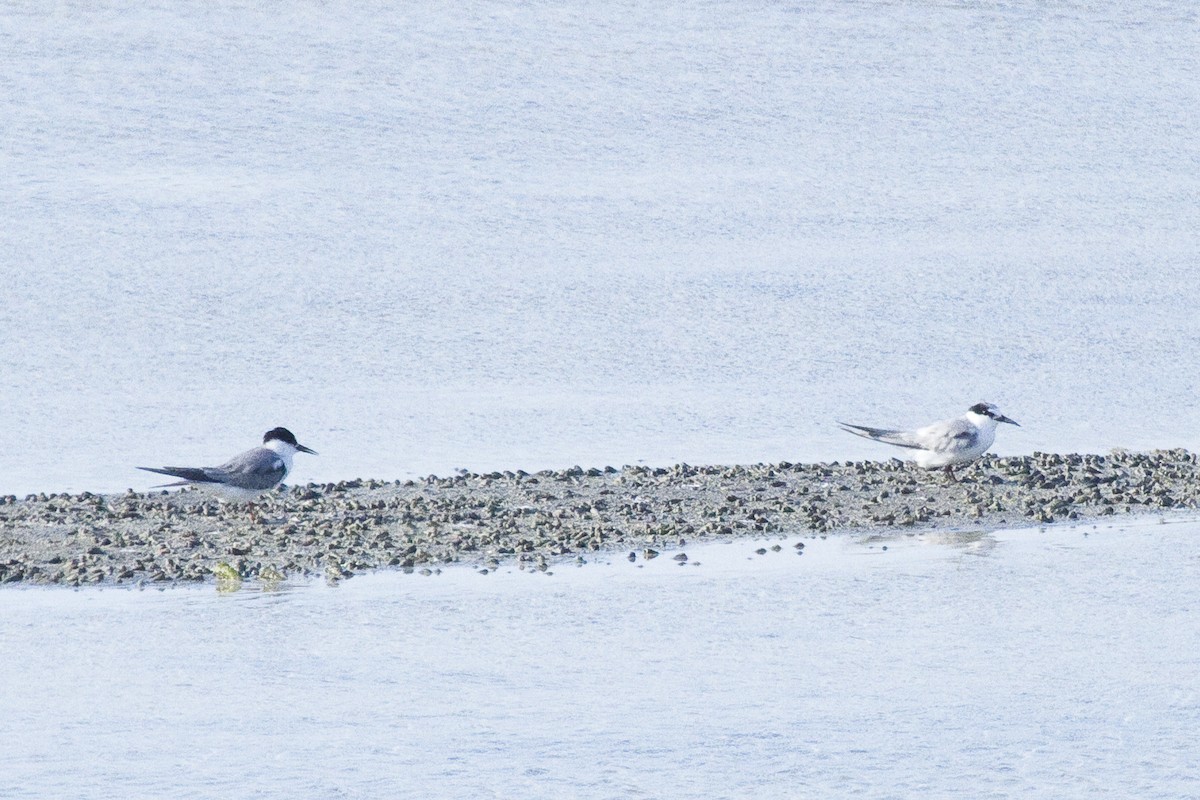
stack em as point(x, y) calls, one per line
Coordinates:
point(1037, 663)
point(512, 235)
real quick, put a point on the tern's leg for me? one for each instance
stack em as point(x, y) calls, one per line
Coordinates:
point(950, 473)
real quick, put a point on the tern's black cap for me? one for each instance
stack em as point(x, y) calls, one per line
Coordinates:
point(282, 434)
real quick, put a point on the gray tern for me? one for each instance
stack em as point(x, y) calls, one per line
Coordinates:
point(247, 475)
point(945, 443)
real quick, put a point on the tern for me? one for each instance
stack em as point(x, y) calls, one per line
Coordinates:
point(945, 443)
point(247, 475)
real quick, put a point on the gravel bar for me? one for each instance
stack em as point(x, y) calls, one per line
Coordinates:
point(537, 519)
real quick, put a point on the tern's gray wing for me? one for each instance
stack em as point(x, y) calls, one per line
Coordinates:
point(258, 470)
point(948, 436)
point(189, 475)
point(898, 438)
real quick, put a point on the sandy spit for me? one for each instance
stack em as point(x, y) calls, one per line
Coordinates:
point(486, 520)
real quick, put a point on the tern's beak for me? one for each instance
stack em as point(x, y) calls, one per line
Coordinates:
point(304, 449)
point(1003, 418)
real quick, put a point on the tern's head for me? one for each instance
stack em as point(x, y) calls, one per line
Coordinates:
point(991, 412)
point(285, 437)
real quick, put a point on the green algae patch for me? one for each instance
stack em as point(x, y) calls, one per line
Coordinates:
point(228, 578)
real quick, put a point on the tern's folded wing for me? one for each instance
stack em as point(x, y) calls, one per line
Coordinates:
point(898, 438)
point(189, 474)
point(950, 436)
point(258, 469)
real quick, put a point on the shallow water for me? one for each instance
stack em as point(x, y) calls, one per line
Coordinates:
point(511, 235)
point(503, 236)
point(1045, 663)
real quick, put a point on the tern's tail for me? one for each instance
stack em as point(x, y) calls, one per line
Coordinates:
point(189, 475)
point(898, 438)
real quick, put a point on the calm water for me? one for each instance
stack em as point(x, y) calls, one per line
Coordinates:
point(1060, 663)
point(524, 235)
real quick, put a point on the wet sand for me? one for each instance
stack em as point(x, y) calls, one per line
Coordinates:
point(534, 520)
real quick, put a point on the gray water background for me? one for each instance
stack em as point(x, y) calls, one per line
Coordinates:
point(1059, 663)
point(507, 235)
point(523, 235)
